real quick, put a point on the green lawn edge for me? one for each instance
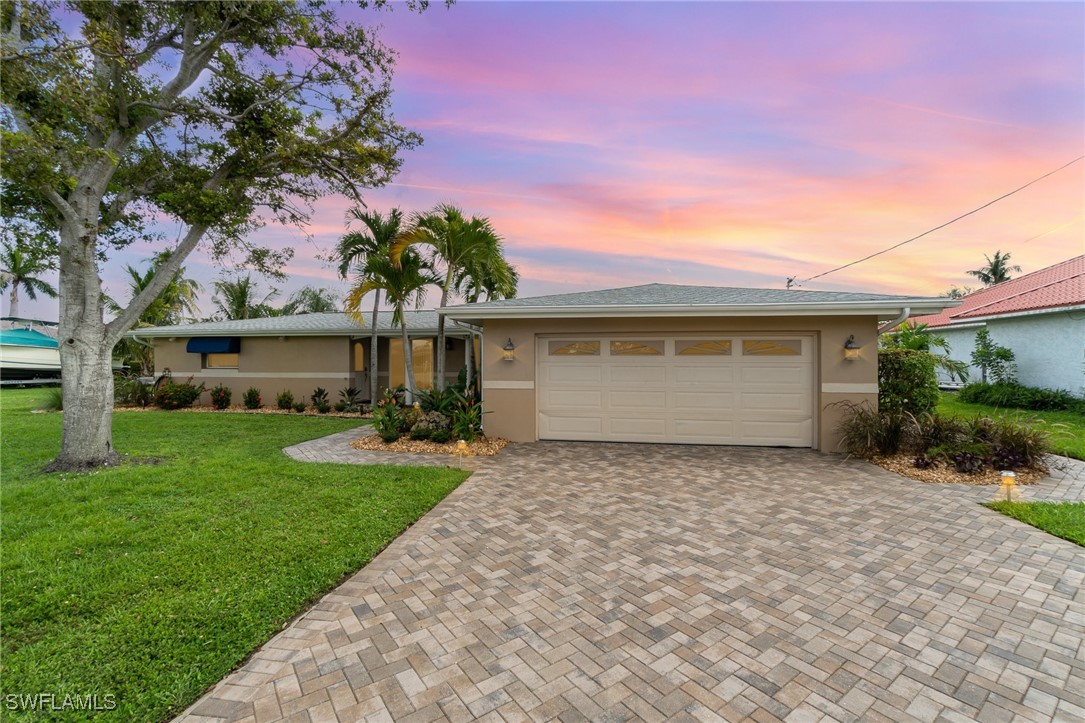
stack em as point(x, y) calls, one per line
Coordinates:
point(1067, 428)
point(1065, 520)
point(150, 582)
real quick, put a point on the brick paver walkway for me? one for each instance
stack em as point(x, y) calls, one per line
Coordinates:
point(638, 582)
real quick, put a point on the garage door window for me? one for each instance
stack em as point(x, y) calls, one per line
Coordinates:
point(574, 348)
point(703, 348)
point(636, 348)
point(768, 347)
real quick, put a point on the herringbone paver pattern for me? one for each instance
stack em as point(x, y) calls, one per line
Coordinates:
point(628, 582)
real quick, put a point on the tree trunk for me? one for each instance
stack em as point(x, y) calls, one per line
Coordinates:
point(408, 361)
point(469, 359)
point(13, 309)
point(439, 382)
point(373, 391)
point(86, 354)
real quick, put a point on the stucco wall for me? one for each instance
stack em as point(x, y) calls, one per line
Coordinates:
point(962, 342)
point(1049, 348)
point(509, 392)
point(297, 364)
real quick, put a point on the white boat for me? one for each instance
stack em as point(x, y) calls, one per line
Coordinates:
point(27, 352)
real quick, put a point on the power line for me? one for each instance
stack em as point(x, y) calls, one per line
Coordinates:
point(791, 280)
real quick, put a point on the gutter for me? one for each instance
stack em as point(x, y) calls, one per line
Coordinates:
point(896, 322)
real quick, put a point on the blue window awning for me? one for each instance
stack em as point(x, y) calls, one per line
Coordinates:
point(214, 345)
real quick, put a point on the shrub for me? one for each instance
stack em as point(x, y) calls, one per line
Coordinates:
point(907, 381)
point(285, 400)
point(387, 418)
point(1012, 395)
point(421, 432)
point(251, 398)
point(220, 397)
point(967, 462)
point(442, 401)
point(866, 432)
point(177, 396)
point(1018, 444)
point(54, 399)
point(996, 362)
point(930, 431)
point(323, 407)
point(319, 396)
point(466, 419)
point(299, 407)
point(440, 436)
point(128, 389)
point(350, 399)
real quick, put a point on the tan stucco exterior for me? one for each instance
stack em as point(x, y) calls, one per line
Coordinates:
point(509, 391)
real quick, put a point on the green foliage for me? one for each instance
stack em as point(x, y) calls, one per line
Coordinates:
point(53, 400)
point(996, 270)
point(1066, 428)
point(442, 401)
point(466, 419)
point(350, 399)
point(251, 398)
point(421, 432)
point(866, 432)
point(906, 381)
point(319, 396)
point(996, 362)
point(918, 337)
point(220, 397)
point(1016, 396)
point(974, 443)
point(285, 400)
point(1061, 519)
point(152, 582)
point(299, 407)
point(388, 418)
point(172, 395)
point(130, 390)
point(440, 436)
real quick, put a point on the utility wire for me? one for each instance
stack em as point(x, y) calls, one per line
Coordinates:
point(791, 280)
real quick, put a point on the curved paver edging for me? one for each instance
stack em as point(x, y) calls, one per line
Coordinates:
point(336, 448)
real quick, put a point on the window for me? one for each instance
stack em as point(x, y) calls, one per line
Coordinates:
point(220, 361)
point(421, 355)
point(786, 347)
point(693, 347)
point(361, 351)
point(636, 348)
point(574, 348)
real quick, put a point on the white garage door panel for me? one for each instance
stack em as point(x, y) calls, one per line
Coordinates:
point(574, 374)
point(738, 398)
point(581, 399)
point(719, 401)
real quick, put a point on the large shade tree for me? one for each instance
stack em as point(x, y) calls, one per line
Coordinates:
point(352, 254)
point(460, 247)
point(121, 118)
point(20, 269)
point(996, 270)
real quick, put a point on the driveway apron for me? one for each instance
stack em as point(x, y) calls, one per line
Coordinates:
point(646, 582)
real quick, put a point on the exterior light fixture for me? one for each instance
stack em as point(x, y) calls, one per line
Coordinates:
point(1008, 490)
point(461, 450)
point(509, 351)
point(851, 349)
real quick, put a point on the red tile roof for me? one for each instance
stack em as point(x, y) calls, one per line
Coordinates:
point(1056, 286)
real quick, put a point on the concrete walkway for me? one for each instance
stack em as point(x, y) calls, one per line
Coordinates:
point(640, 582)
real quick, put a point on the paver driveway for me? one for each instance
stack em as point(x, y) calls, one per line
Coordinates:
point(628, 582)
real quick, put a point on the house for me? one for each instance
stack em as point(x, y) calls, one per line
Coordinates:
point(1039, 316)
point(302, 352)
point(682, 364)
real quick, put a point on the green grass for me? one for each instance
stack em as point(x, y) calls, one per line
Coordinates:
point(1067, 428)
point(151, 582)
point(1061, 519)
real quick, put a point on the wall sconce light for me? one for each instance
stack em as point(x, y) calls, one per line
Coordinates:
point(851, 349)
point(509, 351)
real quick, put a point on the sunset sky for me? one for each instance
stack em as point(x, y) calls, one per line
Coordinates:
point(734, 144)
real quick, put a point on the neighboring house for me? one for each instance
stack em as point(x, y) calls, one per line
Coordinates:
point(302, 352)
point(1039, 316)
point(681, 364)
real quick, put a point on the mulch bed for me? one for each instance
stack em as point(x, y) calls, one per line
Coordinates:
point(902, 464)
point(481, 447)
point(240, 409)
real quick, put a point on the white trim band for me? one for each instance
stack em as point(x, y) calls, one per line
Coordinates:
point(508, 385)
point(227, 373)
point(841, 388)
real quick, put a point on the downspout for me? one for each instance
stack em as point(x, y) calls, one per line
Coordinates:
point(896, 322)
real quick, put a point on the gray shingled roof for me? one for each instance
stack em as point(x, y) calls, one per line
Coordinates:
point(665, 295)
point(334, 324)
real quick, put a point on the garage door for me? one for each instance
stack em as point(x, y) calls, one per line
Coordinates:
point(737, 389)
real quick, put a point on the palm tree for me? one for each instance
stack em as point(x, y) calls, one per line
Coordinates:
point(997, 269)
point(492, 278)
point(310, 300)
point(459, 245)
point(20, 269)
point(355, 249)
point(236, 299)
point(918, 337)
point(177, 302)
point(402, 285)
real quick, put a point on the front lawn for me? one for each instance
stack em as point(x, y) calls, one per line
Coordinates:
point(1067, 428)
point(151, 582)
point(1061, 519)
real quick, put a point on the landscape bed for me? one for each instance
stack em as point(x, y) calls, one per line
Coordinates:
point(150, 582)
